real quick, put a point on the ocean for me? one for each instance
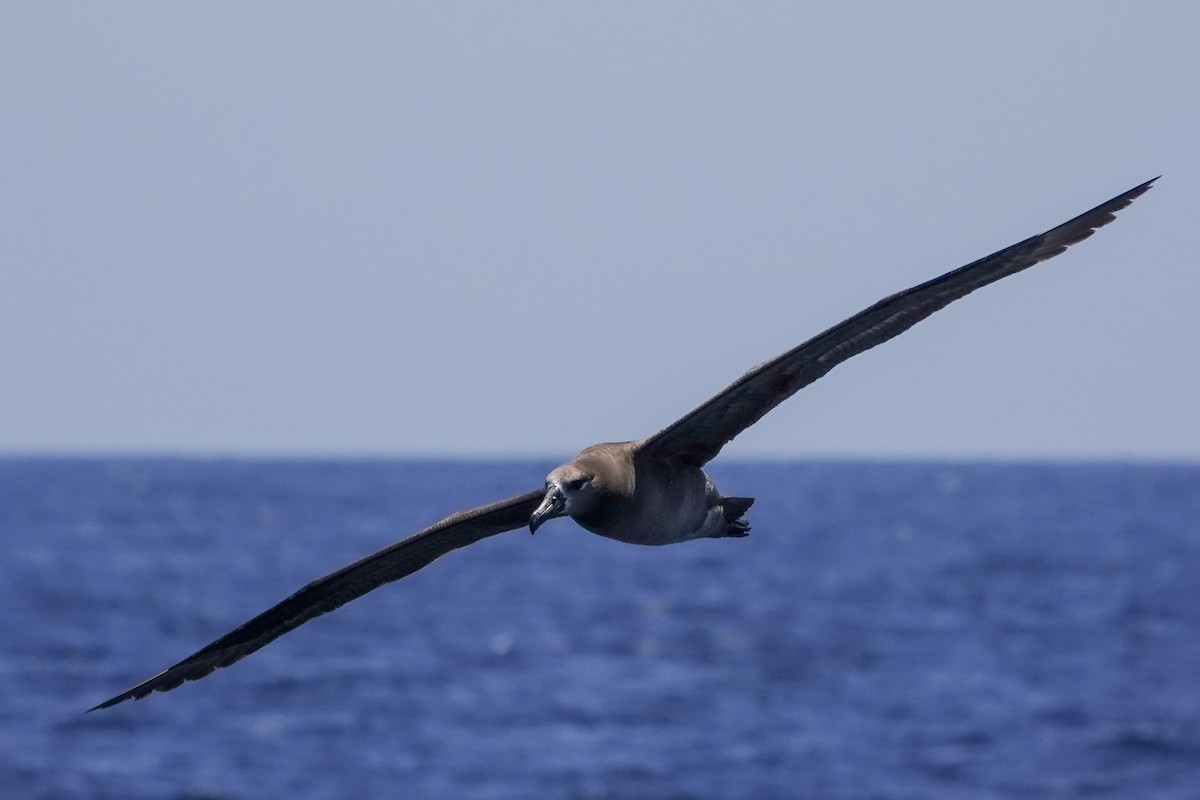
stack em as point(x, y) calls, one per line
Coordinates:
point(887, 630)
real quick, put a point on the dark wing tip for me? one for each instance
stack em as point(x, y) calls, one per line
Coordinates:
point(164, 681)
point(132, 694)
point(1058, 240)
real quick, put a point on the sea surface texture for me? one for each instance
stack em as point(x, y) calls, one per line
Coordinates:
point(888, 630)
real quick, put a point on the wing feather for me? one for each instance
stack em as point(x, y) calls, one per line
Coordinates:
point(338, 588)
point(697, 437)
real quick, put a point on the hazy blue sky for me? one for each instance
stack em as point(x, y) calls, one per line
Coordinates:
point(520, 228)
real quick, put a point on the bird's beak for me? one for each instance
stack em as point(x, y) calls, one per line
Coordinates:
point(553, 505)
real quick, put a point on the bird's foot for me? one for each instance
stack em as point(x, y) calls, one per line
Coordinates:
point(736, 528)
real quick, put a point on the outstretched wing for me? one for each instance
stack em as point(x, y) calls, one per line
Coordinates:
point(336, 589)
point(699, 436)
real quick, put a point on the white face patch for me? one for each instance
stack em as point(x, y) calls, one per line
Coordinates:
point(577, 495)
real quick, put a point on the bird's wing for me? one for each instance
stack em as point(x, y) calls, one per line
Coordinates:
point(336, 589)
point(697, 437)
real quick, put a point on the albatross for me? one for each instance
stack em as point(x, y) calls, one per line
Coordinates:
point(652, 491)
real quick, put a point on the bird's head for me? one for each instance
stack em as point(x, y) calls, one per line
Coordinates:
point(571, 489)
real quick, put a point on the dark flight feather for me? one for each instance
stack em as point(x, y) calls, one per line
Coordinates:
point(696, 438)
point(338, 588)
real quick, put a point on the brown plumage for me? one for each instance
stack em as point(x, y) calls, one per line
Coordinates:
point(651, 491)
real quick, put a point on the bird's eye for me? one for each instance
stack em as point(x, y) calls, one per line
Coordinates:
point(577, 484)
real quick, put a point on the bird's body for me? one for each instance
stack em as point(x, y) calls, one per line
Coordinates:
point(652, 491)
point(614, 490)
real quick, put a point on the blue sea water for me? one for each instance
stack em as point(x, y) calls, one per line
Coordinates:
point(888, 630)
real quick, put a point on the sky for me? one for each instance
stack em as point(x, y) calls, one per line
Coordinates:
point(515, 229)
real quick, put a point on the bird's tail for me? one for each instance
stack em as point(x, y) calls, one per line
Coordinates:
point(735, 510)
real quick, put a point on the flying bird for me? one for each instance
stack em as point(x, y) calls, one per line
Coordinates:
point(651, 491)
